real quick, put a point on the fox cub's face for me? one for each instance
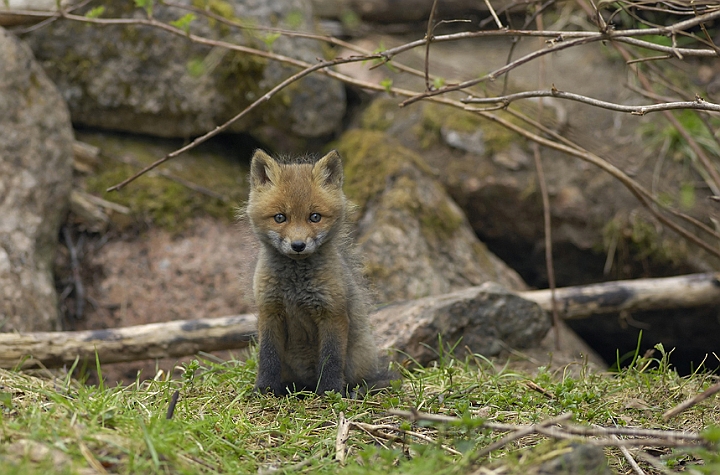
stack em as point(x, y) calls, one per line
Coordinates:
point(296, 207)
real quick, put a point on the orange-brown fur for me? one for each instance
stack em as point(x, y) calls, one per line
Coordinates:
point(313, 324)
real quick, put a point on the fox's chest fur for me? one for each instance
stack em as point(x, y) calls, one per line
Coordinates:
point(301, 294)
point(298, 284)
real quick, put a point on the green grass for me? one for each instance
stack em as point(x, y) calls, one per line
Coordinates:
point(56, 424)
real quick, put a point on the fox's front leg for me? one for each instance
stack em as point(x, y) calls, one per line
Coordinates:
point(333, 335)
point(271, 333)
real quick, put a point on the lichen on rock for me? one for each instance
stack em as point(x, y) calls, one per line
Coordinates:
point(35, 180)
point(145, 80)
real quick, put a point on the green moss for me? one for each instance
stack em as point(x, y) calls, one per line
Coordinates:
point(369, 157)
point(636, 240)
point(442, 221)
point(372, 160)
point(437, 116)
point(379, 115)
point(157, 200)
point(219, 7)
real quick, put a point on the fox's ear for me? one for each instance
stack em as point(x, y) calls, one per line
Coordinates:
point(328, 170)
point(263, 169)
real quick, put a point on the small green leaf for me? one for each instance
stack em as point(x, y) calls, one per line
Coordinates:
point(6, 399)
point(295, 19)
point(196, 67)
point(438, 83)
point(687, 195)
point(95, 12)
point(350, 19)
point(711, 434)
point(146, 4)
point(380, 49)
point(387, 84)
point(270, 38)
point(183, 23)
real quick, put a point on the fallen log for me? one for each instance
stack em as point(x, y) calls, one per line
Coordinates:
point(684, 291)
point(115, 345)
point(188, 337)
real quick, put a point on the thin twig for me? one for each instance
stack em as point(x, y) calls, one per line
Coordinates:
point(181, 181)
point(537, 388)
point(697, 104)
point(558, 429)
point(547, 221)
point(649, 58)
point(172, 404)
point(428, 38)
point(264, 98)
point(692, 401)
point(341, 440)
point(522, 432)
point(77, 280)
point(619, 35)
point(377, 430)
point(655, 463)
point(630, 459)
point(498, 23)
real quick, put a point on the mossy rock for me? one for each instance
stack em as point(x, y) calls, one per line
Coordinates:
point(154, 199)
point(369, 157)
point(416, 240)
point(146, 80)
point(437, 116)
point(426, 120)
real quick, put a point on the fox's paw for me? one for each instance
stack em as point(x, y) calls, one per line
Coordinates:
point(276, 389)
point(327, 386)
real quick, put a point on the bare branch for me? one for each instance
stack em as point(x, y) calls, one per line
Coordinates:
point(429, 38)
point(558, 428)
point(264, 98)
point(498, 23)
point(698, 104)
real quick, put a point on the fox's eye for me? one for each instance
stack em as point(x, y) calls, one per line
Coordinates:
point(280, 218)
point(315, 218)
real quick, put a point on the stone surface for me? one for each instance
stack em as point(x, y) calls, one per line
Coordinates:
point(485, 319)
point(35, 178)
point(399, 11)
point(582, 459)
point(144, 80)
point(415, 240)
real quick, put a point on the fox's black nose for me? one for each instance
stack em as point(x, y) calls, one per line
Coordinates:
point(297, 246)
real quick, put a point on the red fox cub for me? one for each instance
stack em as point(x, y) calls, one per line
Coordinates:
point(313, 326)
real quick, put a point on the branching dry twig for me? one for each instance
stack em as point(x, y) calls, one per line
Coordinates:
point(557, 40)
point(558, 428)
point(697, 104)
point(341, 440)
point(383, 431)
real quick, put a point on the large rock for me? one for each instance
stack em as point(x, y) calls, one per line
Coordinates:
point(489, 172)
point(144, 80)
point(415, 239)
point(485, 319)
point(35, 180)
